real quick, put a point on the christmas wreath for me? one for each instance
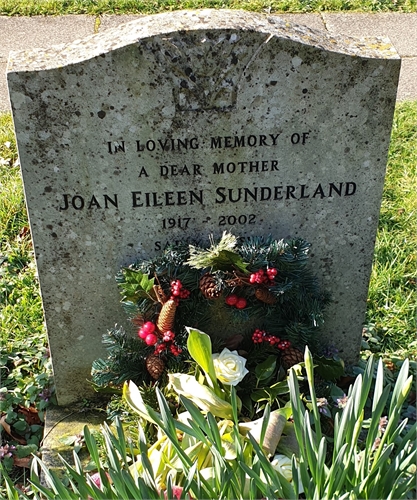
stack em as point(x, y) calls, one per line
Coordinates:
point(254, 294)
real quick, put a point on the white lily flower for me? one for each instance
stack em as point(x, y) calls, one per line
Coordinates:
point(204, 397)
point(282, 464)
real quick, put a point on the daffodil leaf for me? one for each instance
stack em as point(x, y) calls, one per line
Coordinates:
point(199, 347)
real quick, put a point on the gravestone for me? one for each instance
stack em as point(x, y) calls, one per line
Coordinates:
point(186, 124)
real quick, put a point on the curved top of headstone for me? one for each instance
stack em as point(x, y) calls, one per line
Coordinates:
point(190, 20)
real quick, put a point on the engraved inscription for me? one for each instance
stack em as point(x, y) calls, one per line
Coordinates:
point(212, 195)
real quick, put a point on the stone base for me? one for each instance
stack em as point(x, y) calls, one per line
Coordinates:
point(62, 423)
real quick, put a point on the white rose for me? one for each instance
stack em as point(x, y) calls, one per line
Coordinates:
point(229, 367)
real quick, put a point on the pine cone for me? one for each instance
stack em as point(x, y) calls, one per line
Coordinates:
point(155, 366)
point(209, 286)
point(167, 316)
point(264, 295)
point(291, 357)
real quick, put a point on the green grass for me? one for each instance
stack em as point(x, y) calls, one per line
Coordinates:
point(97, 7)
point(21, 310)
point(392, 292)
point(25, 368)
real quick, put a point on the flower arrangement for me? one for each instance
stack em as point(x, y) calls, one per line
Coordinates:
point(235, 412)
point(255, 297)
point(210, 397)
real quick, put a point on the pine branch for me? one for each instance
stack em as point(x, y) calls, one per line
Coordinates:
point(125, 360)
point(300, 335)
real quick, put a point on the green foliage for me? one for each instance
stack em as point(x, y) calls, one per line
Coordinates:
point(265, 370)
point(25, 368)
point(136, 285)
point(208, 458)
point(222, 452)
point(296, 312)
point(329, 368)
point(370, 458)
point(26, 391)
point(115, 483)
point(199, 347)
point(21, 312)
point(300, 301)
point(12, 211)
point(26, 387)
point(99, 7)
point(131, 473)
point(124, 360)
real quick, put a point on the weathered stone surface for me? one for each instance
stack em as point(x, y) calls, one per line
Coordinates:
point(64, 428)
point(184, 124)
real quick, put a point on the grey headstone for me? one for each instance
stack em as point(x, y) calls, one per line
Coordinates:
point(204, 121)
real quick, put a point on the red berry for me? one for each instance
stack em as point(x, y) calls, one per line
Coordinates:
point(148, 327)
point(241, 303)
point(168, 336)
point(175, 350)
point(260, 336)
point(142, 333)
point(176, 285)
point(284, 344)
point(151, 339)
point(160, 348)
point(231, 300)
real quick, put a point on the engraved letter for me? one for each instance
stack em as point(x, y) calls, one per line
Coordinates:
point(94, 203)
point(220, 192)
point(274, 138)
point(65, 207)
point(218, 168)
point(216, 142)
point(136, 199)
point(350, 188)
point(108, 200)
